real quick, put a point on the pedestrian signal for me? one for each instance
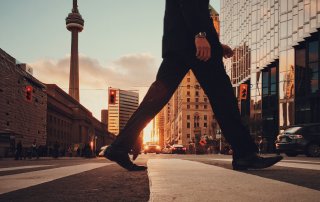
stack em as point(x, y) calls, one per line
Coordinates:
point(112, 96)
point(29, 93)
point(243, 91)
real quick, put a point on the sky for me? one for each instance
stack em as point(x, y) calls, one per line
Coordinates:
point(119, 47)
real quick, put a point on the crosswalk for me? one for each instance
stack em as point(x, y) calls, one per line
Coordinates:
point(182, 180)
point(23, 180)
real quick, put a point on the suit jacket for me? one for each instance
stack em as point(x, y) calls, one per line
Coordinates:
point(183, 20)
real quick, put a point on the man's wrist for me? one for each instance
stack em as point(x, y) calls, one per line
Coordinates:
point(201, 35)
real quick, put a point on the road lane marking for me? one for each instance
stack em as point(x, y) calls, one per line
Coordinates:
point(286, 164)
point(23, 180)
point(183, 180)
point(301, 161)
point(23, 167)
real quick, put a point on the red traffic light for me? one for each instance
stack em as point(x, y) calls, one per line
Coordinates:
point(29, 90)
point(243, 91)
point(112, 96)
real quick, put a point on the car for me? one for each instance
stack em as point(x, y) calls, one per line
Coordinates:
point(152, 148)
point(166, 150)
point(300, 139)
point(102, 150)
point(178, 149)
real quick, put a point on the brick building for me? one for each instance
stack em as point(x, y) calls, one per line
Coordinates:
point(21, 118)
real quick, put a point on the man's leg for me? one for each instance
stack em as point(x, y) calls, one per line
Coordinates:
point(216, 84)
point(170, 74)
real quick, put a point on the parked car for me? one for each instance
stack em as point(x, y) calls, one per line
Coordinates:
point(167, 150)
point(102, 150)
point(301, 139)
point(178, 149)
point(152, 148)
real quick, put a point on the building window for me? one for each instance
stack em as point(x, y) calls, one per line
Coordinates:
point(188, 79)
point(197, 93)
point(197, 106)
point(197, 100)
point(307, 86)
point(188, 106)
point(188, 135)
point(205, 117)
point(205, 124)
point(188, 124)
point(188, 99)
point(188, 93)
point(205, 106)
point(205, 99)
point(188, 86)
point(188, 117)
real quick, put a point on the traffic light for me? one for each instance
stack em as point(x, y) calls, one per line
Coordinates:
point(29, 90)
point(243, 91)
point(112, 96)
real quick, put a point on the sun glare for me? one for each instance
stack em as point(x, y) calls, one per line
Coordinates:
point(147, 133)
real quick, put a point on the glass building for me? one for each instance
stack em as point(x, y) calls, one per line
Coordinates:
point(276, 45)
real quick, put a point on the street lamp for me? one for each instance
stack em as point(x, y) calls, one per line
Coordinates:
point(220, 144)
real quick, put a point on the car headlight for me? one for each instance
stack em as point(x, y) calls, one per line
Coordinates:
point(158, 147)
point(146, 147)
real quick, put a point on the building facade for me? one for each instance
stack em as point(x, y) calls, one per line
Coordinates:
point(71, 124)
point(121, 109)
point(188, 116)
point(277, 55)
point(104, 116)
point(22, 106)
point(158, 128)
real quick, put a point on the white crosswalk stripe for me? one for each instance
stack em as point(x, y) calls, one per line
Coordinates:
point(23, 167)
point(182, 180)
point(10, 183)
point(289, 164)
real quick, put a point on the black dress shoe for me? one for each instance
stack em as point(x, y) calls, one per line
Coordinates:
point(121, 157)
point(254, 162)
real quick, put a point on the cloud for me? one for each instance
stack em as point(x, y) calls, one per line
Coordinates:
point(128, 71)
point(131, 71)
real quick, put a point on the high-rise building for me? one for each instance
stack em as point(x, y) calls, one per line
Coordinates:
point(158, 128)
point(74, 24)
point(277, 47)
point(121, 106)
point(215, 18)
point(188, 115)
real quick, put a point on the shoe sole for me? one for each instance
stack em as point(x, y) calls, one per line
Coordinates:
point(124, 164)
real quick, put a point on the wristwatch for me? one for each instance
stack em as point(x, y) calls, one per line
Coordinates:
point(201, 35)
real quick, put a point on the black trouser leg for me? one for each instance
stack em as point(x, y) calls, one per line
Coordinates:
point(170, 74)
point(216, 84)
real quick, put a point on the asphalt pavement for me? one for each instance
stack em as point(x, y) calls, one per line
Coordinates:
point(168, 178)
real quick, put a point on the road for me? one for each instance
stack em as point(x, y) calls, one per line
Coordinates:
point(169, 178)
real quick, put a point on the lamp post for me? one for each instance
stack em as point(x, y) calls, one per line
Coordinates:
point(220, 136)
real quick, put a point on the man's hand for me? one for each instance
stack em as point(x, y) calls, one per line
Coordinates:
point(227, 51)
point(203, 49)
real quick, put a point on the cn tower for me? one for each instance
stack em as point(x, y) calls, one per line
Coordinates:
point(74, 24)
